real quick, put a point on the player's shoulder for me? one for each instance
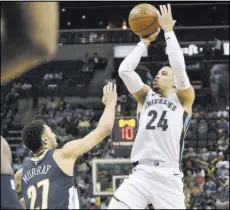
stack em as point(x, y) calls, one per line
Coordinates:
point(5, 147)
point(64, 163)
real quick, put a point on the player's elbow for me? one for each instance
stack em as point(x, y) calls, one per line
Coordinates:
point(122, 72)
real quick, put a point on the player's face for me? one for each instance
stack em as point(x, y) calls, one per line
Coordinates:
point(163, 80)
point(50, 136)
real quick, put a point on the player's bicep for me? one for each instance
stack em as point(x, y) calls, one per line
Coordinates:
point(187, 97)
point(17, 178)
point(140, 96)
point(75, 148)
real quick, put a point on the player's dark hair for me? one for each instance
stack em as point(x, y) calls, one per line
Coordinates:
point(32, 135)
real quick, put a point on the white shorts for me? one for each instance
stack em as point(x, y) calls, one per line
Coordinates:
point(157, 185)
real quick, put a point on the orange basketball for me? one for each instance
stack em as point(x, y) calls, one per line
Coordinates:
point(143, 20)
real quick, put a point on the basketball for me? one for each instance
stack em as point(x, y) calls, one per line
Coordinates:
point(143, 20)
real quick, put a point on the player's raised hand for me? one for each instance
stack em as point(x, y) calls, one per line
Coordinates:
point(109, 94)
point(165, 18)
point(151, 38)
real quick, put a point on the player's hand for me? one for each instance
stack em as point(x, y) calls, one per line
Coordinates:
point(165, 18)
point(109, 94)
point(151, 38)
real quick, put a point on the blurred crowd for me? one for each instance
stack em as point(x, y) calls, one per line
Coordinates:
point(67, 122)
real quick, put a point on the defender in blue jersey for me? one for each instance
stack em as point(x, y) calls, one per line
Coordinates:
point(47, 180)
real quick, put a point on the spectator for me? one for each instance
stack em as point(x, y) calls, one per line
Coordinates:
point(214, 92)
point(202, 130)
point(58, 117)
point(21, 151)
point(211, 169)
point(221, 162)
point(222, 171)
point(190, 153)
point(223, 147)
point(18, 164)
point(68, 110)
point(189, 177)
point(222, 201)
point(223, 138)
point(92, 204)
point(104, 203)
point(210, 186)
point(203, 155)
point(95, 58)
point(220, 159)
point(83, 125)
point(222, 125)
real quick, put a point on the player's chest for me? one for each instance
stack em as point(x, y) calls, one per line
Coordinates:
point(159, 113)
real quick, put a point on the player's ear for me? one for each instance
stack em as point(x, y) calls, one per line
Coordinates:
point(174, 84)
point(44, 140)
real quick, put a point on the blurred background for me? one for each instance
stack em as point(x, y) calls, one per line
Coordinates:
point(94, 38)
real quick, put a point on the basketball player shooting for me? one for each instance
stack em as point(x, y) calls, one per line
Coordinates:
point(164, 114)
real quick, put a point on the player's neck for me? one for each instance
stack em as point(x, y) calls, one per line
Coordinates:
point(165, 94)
point(41, 151)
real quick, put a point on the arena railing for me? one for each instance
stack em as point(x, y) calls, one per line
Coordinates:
point(118, 35)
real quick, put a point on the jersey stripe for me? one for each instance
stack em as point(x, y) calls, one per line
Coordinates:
point(186, 120)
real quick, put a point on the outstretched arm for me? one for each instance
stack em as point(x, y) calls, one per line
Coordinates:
point(127, 68)
point(75, 148)
point(185, 92)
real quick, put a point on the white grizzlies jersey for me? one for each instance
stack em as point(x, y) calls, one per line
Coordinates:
point(163, 123)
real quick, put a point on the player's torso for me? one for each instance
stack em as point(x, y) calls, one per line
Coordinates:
point(161, 129)
point(46, 186)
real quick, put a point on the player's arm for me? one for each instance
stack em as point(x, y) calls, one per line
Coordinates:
point(127, 68)
point(17, 178)
point(185, 92)
point(29, 37)
point(6, 158)
point(75, 148)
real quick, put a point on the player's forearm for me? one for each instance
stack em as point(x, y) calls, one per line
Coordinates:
point(107, 119)
point(176, 60)
point(133, 59)
point(126, 71)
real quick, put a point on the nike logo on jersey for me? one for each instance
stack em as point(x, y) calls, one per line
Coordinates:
point(176, 174)
point(167, 38)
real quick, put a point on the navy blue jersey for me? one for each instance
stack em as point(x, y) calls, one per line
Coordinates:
point(45, 186)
